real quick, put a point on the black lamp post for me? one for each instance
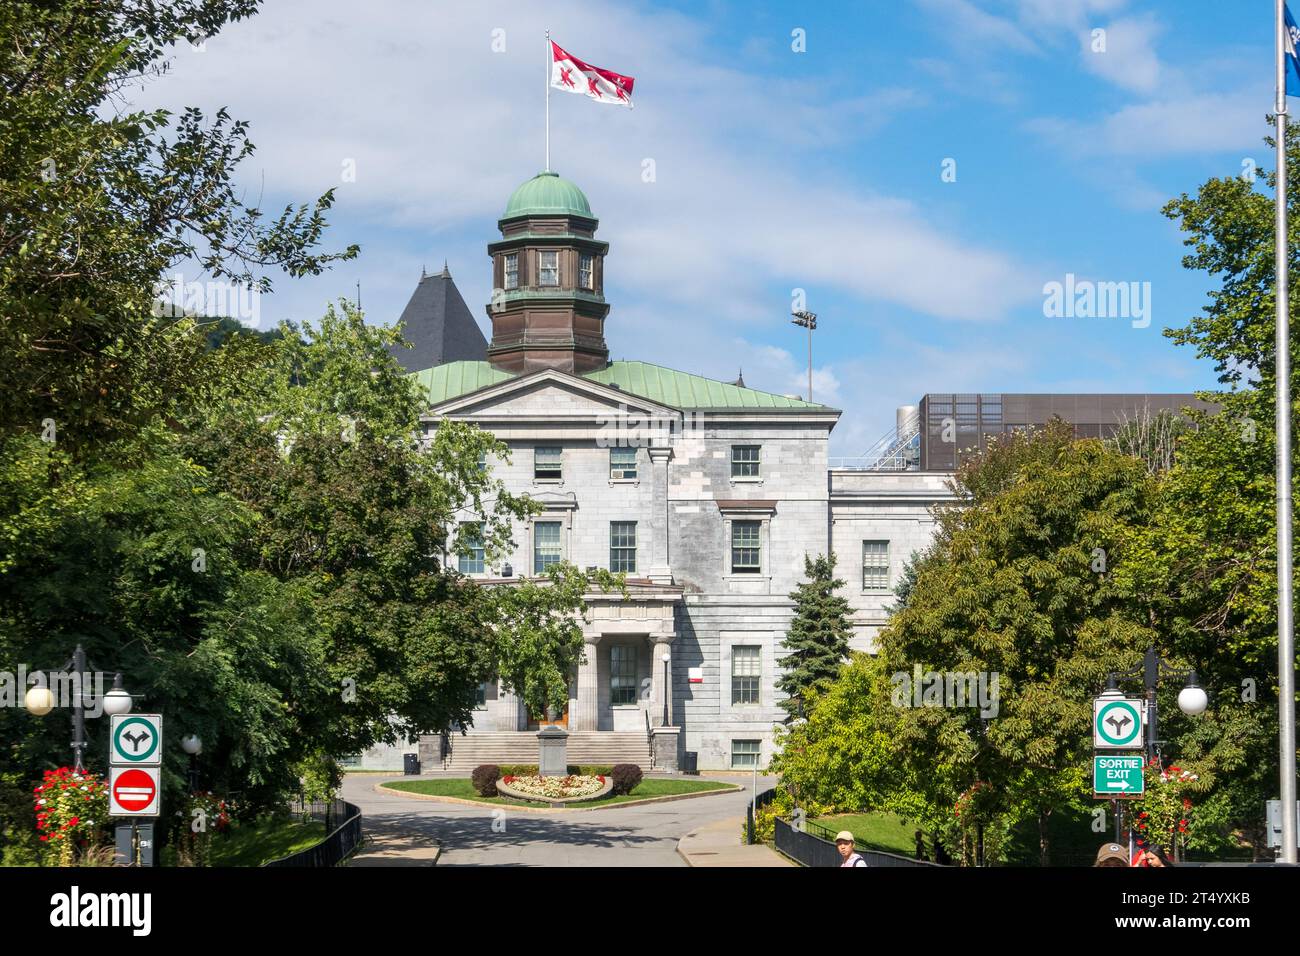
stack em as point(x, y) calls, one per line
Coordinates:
point(40, 701)
point(1192, 699)
point(193, 746)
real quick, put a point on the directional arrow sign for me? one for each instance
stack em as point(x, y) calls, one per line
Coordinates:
point(136, 740)
point(133, 791)
point(1118, 776)
point(1117, 723)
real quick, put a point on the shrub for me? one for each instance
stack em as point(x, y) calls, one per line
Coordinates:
point(484, 778)
point(626, 776)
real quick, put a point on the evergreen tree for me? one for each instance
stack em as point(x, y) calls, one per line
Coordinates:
point(818, 639)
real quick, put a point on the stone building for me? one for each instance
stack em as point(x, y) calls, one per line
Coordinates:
point(706, 494)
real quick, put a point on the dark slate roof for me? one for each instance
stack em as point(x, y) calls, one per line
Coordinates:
point(438, 324)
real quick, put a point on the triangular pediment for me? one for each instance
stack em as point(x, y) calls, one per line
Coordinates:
point(550, 395)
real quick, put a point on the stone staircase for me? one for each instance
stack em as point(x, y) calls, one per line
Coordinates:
point(584, 747)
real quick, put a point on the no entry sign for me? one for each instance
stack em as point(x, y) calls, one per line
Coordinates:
point(133, 791)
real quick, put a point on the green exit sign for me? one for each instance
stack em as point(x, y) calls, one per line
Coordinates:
point(1117, 776)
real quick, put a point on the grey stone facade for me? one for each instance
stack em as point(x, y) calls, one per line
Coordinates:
point(687, 601)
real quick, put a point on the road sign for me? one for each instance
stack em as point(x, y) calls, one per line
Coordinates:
point(1118, 776)
point(135, 740)
point(1117, 723)
point(133, 791)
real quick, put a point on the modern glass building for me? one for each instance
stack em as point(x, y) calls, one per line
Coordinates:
point(956, 425)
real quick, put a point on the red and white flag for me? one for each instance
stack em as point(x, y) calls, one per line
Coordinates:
point(572, 75)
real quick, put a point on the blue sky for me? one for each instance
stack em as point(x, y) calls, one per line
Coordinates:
point(775, 170)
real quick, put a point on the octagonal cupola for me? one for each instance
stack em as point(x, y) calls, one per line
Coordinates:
point(548, 305)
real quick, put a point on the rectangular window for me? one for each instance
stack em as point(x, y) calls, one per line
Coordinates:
point(745, 547)
point(622, 674)
point(745, 754)
point(482, 695)
point(546, 545)
point(546, 463)
point(744, 461)
point(471, 534)
point(584, 271)
point(549, 273)
point(622, 463)
point(622, 546)
point(512, 271)
point(482, 463)
point(746, 669)
point(875, 565)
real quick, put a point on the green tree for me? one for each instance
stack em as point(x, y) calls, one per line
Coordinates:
point(818, 637)
point(140, 565)
point(1208, 561)
point(359, 504)
point(1018, 584)
point(98, 204)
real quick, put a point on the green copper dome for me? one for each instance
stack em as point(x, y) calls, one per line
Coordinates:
point(547, 194)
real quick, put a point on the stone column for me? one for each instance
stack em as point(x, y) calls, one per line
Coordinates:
point(659, 570)
point(659, 646)
point(588, 711)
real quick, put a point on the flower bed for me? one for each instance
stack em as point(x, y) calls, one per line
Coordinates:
point(71, 815)
point(554, 789)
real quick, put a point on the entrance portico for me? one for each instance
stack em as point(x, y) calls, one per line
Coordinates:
point(621, 685)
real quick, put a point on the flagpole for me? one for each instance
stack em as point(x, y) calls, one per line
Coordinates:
point(1285, 623)
point(548, 102)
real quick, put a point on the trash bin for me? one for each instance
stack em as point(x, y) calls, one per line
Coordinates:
point(411, 764)
point(691, 761)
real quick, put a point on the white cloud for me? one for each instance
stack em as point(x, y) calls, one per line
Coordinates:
point(1160, 128)
point(441, 129)
point(976, 29)
point(1128, 58)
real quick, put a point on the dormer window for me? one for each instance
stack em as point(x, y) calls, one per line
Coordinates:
point(512, 271)
point(585, 272)
point(549, 271)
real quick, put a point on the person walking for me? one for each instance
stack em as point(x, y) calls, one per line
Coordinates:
point(844, 843)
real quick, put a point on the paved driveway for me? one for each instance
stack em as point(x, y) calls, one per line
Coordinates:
point(643, 835)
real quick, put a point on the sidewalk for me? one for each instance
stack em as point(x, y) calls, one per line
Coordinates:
point(393, 848)
point(718, 844)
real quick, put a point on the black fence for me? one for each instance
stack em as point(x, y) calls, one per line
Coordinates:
point(342, 824)
point(814, 845)
point(760, 801)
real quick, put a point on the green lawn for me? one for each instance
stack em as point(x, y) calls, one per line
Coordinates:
point(267, 839)
point(880, 831)
point(462, 788)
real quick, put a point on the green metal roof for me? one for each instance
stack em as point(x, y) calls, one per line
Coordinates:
point(458, 378)
point(667, 386)
point(664, 386)
point(547, 194)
